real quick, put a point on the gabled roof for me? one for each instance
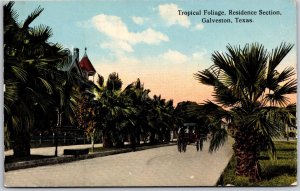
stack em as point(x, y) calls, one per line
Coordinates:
point(86, 65)
point(74, 63)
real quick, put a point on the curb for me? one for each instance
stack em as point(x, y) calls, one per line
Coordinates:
point(66, 159)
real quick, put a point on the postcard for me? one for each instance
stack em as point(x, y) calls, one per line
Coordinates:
point(138, 93)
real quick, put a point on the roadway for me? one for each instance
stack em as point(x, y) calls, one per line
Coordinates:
point(163, 166)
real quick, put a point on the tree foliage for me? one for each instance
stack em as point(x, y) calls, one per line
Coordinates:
point(33, 83)
point(247, 82)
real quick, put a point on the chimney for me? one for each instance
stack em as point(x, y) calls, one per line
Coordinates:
point(76, 53)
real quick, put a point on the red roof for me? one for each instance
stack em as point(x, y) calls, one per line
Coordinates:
point(86, 65)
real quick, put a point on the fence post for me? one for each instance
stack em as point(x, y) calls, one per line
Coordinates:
point(65, 138)
point(83, 138)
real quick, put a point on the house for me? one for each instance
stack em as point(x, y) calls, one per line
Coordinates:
point(83, 68)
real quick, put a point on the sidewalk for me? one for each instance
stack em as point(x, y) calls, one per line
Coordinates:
point(49, 151)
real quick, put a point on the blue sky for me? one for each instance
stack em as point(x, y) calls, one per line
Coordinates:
point(148, 39)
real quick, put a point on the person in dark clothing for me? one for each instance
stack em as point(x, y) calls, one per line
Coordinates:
point(181, 142)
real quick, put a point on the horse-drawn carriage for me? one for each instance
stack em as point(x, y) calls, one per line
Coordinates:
point(187, 136)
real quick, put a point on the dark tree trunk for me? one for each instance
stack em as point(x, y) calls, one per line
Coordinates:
point(246, 149)
point(161, 137)
point(152, 139)
point(168, 136)
point(21, 145)
point(120, 144)
point(138, 138)
point(107, 142)
point(118, 139)
point(133, 142)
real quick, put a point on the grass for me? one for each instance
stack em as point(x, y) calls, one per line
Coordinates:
point(280, 172)
point(100, 149)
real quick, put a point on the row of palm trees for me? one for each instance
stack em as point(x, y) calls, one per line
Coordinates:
point(39, 96)
point(129, 115)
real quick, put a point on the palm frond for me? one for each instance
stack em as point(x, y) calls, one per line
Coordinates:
point(289, 87)
point(11, 93)
point(286, 74)
point(206, 77)
point(40, 34)
point(210, 108)
point(19, 72)
point(270, 146)
point(276, 99)
point(219, 138)
point(225, 66)
point(16, 123)
point(279, 95)
point(277, 55)
point(32, 17)
point(251, 69)
point(270, 121)
point(46, 84)
point(10, 16)
point(265, 126)
point(225, 96)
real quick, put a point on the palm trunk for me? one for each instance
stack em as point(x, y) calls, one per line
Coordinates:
point(93, 145)
point(133, 142)
point(107, 143)
point(168, 136)
point(152, 139)
point(120, 144)
point(92, 140)
point(118, 140)
point(21, 145)
point(246, 149)
point(138, 137)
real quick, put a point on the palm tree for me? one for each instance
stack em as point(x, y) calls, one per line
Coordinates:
point(140, 100)
point(117, 109)
point(247, 82)
point(161, 119)
point(168, 121)
point(114, 83)
point(30, 65)
point(113, 110)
